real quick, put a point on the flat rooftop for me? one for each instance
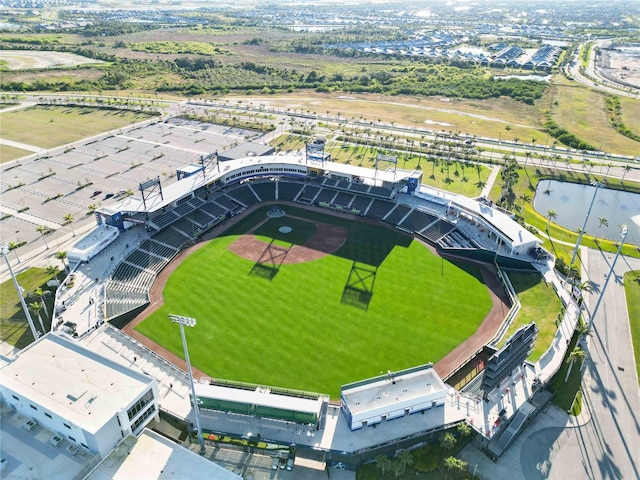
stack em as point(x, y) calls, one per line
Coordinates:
point(392, 389)
point(153, 456)
point(63, 377)
point(99, 234)
point(30, 455)
point(260, 396)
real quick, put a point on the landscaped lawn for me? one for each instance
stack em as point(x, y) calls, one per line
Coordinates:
point(540, 304)
point(51, 126)
point(295, 330)
point(632, 292)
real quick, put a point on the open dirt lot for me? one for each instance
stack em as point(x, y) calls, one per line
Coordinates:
point(25, 59)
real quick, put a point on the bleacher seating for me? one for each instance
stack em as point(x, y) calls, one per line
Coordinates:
point(343, 199)
point(329, 182)
point(213, 209)
point(226, 202)
point(417, 220)
point(147, 260)
point(380, 192)
point(308, 193)
point(396, 215)
point(288, 190)
point(133, 276)
point(359, 187)
point(172, 237)
point(379, 208)
point(196, 202)
point(265, 190)
point(326, 195)
point(186, 226)
point(361, 203)
point(342, 184)
point(437, 230)
point(165, 219)
point(243, 195)
point(200, 217)
point(183, 209)
point(159, 249)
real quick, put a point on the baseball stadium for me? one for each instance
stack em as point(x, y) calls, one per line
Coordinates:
point(338, 312)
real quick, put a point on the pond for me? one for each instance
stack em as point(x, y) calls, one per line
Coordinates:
point(571, 202)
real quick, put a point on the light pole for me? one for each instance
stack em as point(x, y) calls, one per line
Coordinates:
point(5, 251)
point(597, 185)
point(623, 235)
point(189, 322)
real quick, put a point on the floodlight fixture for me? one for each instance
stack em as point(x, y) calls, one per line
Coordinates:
point(189, 322)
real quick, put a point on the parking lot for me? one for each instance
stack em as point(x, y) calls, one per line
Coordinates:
point(43, 188)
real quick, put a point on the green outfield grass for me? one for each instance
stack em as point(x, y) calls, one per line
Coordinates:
point(51, 126)
point(295, 330)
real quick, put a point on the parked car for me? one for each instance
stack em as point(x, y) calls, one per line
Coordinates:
point(96, 193)
point(276, 463)
point(109, 195)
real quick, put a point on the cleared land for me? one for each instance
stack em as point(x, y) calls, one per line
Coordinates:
point(52, 126)
point(381, 302)
point(488, 118)
point(587, 119)
point(26, 60)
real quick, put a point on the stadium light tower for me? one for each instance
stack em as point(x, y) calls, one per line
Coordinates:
point(5, 252)
point(623, 235)
point(586, 219)
point(189, 322)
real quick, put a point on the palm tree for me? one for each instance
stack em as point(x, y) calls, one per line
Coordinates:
point(551, 215)
point(626, 169)
point(62, 256)
point(36, 307)
point(40, 293)
point(14, 246)
point(383, 463)
point(92, 208)
point(405, 459)
point(602, 221)
point(68, 220)
point(53, 271)
point(576, 354)
point(42, 230)
point(525, 198)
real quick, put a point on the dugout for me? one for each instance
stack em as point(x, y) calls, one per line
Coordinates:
point(263, 402)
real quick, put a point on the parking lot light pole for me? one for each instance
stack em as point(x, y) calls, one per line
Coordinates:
point(623, 235)
point(190, 322)
point(586, 219)
point(5, 252)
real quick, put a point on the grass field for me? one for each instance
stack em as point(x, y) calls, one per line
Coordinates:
point(51, 126)
point(8, 153)
point(540, 304)
point(14, 328)
point(381, 302)
point(587, 118)
point(632, 292)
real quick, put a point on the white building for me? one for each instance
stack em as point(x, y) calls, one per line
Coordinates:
point(394, 395)
point(85, 398)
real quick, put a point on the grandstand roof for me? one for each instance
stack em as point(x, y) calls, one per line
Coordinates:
point(246, 149)
point(513, 231)
point(153, 456)
point(181, 188)
point(64, 377)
